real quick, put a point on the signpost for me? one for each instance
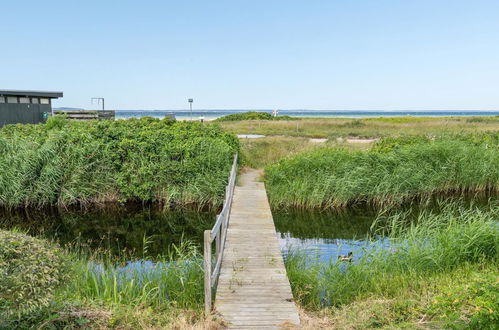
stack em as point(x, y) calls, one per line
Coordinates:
point(190, 104)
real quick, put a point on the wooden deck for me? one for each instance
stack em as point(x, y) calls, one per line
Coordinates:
point(253, 289)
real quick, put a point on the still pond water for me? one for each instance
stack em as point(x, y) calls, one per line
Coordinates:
point(127, 230)
point(146, 231)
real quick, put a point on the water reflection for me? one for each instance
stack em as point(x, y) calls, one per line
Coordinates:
point(325, 234)
point(135, 231)
point(142, 231)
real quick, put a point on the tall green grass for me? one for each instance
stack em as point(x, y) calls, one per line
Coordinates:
point(172, 280)
point(103, 290)
point(433, 244)
point(389, 175)
point(64, 163)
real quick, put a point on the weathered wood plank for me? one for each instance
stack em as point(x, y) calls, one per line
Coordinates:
point(253, 289)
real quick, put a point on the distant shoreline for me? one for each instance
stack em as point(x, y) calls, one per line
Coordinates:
point(214, 114)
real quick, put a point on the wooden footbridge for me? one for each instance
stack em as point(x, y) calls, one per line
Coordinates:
point(247, 271)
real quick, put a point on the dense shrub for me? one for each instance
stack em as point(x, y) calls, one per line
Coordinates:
point(253, 115)
point(30, 271)
point(389, 175)
point(145, 159)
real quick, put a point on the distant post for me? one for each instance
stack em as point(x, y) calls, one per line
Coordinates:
point(99, 100)
point(190, 105)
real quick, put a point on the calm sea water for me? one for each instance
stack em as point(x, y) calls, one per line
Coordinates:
point(213, 114)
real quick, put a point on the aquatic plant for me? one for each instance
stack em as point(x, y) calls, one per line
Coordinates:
point(103, 290)
point(66, 163)
point(433, 244)
point(419, 169)
point(174, 279)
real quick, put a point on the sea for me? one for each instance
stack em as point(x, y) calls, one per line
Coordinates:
point(213, 114)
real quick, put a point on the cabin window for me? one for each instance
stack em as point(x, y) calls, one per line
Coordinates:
point(34, 100)
point(44, 101)
point(2, 99)
point(23, 100)
point(11, 99)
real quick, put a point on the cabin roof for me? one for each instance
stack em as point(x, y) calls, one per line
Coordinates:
point(49, 94)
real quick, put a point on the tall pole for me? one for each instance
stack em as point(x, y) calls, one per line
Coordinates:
point(190, 105)
point(99, 99)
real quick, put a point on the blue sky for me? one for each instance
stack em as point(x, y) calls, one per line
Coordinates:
point(349, 54)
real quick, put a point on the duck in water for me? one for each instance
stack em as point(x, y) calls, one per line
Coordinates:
point(347, 258)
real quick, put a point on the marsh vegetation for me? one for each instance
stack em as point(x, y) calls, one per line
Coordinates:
point(121, 207)
point(365, 127)
point(415, 279)
point(67, 163)
point(390, 174)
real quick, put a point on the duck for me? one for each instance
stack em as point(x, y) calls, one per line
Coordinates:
point(347, 258)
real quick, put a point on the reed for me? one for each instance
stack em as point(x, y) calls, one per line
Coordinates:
point(172, 280)
point(80, 163)
point(433, 244)
point(337, 178)
point(104, 290)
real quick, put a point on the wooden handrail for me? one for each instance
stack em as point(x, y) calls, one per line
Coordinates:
point(218, 233)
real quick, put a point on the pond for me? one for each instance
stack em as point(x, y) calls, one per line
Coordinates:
point(328, 234)
point(323, 234)
point(139, 232)
point(145, 232)
point(133, 231)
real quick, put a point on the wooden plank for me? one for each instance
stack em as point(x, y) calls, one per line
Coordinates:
point(253, 289)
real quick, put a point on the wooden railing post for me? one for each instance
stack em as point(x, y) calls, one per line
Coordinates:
point(218, 242)
point(217, 233)
point(207, 272)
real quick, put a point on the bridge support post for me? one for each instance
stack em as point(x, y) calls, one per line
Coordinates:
point(207, 272)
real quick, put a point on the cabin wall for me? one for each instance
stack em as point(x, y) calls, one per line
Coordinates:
point(22, 113)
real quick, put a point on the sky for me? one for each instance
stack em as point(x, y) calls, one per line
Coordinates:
point(324, 55)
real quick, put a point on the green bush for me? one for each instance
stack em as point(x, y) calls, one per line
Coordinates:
point(66, 162)
point(474, 302)
point(30, 271)
point(253, 115)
